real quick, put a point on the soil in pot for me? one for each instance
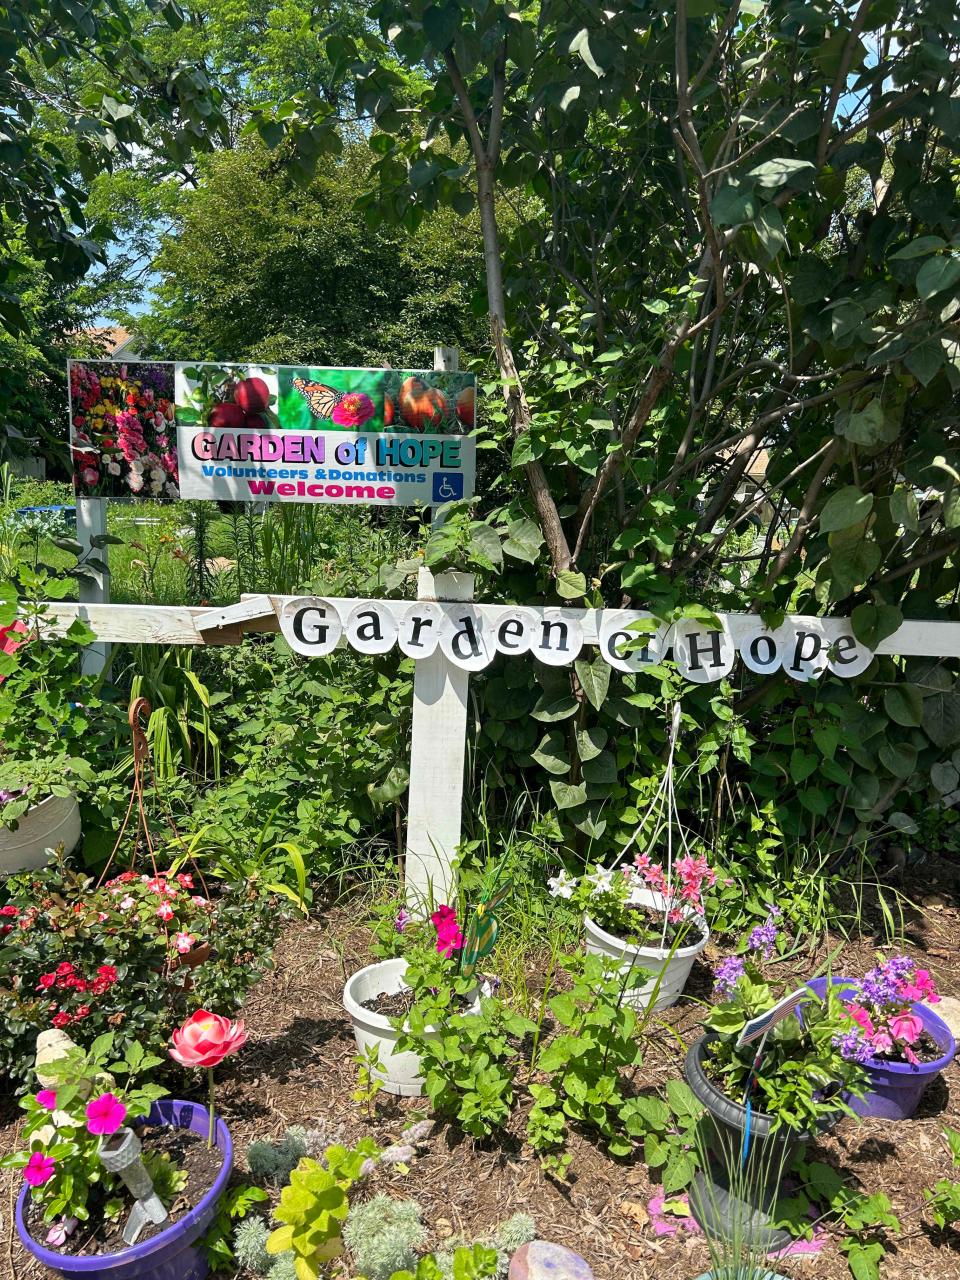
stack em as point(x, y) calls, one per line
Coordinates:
point(642, 926)
point(99, 1235)
point(397, 1004)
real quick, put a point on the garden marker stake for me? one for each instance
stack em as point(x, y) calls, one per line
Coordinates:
point(482, 930)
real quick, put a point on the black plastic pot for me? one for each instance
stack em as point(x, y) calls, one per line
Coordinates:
point(746, 1208)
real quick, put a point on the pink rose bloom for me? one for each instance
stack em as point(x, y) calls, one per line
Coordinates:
point(353, 410)
point(906, 1027)
point(47, 1099)
point(205, 1039)
point(39, 1169)
point(105, 1114)
point(89, 476)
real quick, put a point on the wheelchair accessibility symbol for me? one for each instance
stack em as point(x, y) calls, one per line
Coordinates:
point(447, 487)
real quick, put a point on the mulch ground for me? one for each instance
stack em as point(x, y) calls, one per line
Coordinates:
point(298, 1068)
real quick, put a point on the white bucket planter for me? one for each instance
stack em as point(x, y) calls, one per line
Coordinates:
point(400, 1072)
point(53, 821)
point(671, 971)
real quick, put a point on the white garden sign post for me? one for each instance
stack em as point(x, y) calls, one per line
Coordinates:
point(437, 757)
point(95, 588)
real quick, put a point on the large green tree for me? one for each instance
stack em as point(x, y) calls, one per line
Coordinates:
point(737, 243)
point(257, 266)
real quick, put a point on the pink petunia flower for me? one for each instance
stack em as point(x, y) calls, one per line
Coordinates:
point(906, 1027)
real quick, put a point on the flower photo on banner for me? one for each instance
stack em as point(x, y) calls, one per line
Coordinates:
point(122, 433)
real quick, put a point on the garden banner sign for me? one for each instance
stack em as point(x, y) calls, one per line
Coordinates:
point(471, 635)
point(271, 433)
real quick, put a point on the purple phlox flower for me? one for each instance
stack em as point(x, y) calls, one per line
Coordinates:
point(763, 937)
point(852, 1046)
point(881, 985)
point(726, 976)
point(402, 920)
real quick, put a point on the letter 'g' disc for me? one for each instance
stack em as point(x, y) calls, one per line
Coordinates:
point(311, 626)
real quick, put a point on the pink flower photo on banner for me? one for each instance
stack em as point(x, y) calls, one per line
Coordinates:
point(123, 433)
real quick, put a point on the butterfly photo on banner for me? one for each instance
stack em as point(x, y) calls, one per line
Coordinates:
point(344, 408)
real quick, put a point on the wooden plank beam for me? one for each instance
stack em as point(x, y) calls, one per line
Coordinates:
point(181, 624)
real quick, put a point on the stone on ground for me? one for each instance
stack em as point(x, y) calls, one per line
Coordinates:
point(541, 1260)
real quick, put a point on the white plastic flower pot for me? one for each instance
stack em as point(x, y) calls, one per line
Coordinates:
point(53, 821)
point(670, 971)
point(400, 1072)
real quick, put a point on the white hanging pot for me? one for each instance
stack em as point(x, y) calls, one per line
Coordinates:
point(53, 821)
point(400, 1072)
point(670, 971)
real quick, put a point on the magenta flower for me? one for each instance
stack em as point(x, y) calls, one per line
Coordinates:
point(105, 1114)
point(39, 1169)
point(907, 1027)
point(353, 410)
point(47, 1099)
point(449, 937)
point(402, 920)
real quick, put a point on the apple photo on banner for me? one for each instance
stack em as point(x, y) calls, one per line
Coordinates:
point(429, 402)
point(419, 632)
point(228, 397)
point(702, 653)
point(311, 626)
point(557, 637)
point(465, 637)
point(321, 399)
point(123, 438)
point(371, 627)
point(514, 630)
point(630, 639)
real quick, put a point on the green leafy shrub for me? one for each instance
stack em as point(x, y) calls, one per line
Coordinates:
point(944, 1199)
point(314, 1205)
point(76, 956)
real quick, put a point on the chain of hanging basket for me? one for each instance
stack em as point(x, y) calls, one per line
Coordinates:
point(141, 761)
point(663, 809)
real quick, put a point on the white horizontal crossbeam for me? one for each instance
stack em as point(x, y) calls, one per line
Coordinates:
point(181, 624)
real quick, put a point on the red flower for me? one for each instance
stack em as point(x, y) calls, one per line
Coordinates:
point(82, 1012)
point(61, 1020)
point(107, 973)
point(46, 981)
point(10, 910)
point(64, 968)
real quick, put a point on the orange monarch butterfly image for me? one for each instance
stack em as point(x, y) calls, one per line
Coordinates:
point(345, 408)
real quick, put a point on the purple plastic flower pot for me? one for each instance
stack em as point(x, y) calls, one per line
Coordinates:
point(896, 1087)
point(172, 1254)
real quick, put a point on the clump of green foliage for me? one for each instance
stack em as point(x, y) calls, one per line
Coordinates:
point(382, 1235)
